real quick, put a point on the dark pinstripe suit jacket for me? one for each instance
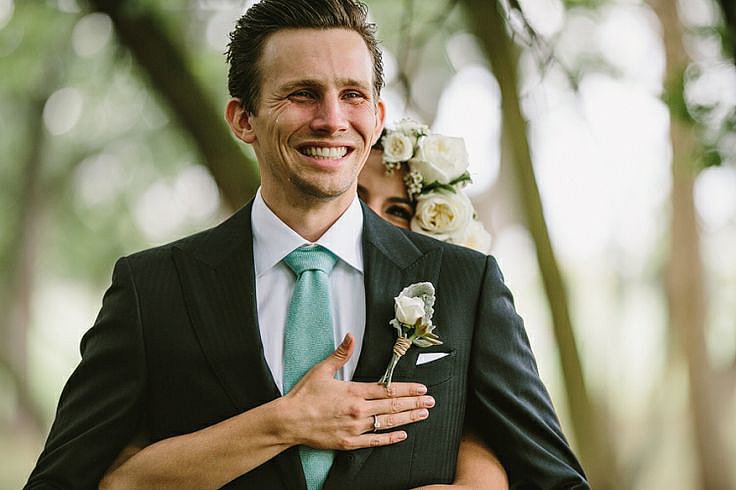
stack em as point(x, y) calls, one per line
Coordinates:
point(176, 348)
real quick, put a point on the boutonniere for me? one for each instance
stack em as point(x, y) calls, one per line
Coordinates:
point(414, 308)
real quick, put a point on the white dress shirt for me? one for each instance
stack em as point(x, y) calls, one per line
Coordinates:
point(272, 241)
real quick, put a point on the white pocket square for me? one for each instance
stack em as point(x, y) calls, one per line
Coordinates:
point(424, 358)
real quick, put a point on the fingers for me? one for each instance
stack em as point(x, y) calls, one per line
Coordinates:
point(391, 420)
point(375, 391)
point(374, 440)
point(369, 438)
point(340, 356)
point(398, 405)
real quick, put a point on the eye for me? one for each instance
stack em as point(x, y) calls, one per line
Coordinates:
point(354, 95)
point(402, 213)
point(302, 95)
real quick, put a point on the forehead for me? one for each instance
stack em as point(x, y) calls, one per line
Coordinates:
point(316, 54)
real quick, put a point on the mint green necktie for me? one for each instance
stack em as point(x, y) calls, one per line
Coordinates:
point(309, 338)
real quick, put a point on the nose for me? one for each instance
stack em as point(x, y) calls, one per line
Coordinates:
point(330, 117)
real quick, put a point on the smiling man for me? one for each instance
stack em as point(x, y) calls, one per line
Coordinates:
point(220, 348)
point(317, 116)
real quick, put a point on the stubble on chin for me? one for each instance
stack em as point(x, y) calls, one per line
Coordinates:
point(315, 192)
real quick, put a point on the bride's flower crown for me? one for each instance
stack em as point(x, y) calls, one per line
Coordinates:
point(437, 171)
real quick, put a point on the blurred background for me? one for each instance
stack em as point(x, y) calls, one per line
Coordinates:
point(602, 137)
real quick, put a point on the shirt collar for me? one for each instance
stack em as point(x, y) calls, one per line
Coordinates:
point(273, 239)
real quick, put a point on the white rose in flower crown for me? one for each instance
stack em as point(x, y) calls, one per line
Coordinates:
point(473, 236)
point(397, 147)
point(410, 127)
point(440, 158)
point(441, 213)
point(408, 310)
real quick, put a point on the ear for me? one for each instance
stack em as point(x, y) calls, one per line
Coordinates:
point(239, 121)
point(380, 116)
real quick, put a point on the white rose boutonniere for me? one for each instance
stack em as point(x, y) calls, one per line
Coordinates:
point(473, 236)
point(441, 213)
point(414, 308)
point(409, 309)
point(440, 159)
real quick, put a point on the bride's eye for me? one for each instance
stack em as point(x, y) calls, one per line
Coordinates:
point(401, 212)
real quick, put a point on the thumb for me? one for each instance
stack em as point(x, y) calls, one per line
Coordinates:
point(340, 356)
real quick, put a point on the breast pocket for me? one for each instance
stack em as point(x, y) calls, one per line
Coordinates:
point(435, 440)
point(437, 371)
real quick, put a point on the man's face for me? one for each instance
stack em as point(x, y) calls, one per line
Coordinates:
point(317, 115)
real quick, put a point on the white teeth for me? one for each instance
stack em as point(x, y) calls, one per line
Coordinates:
point(325, 152)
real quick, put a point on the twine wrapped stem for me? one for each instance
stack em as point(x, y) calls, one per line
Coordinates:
point(401, 345)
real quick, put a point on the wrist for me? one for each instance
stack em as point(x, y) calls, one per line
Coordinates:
point(283, 422)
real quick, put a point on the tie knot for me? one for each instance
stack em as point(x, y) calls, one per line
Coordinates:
point(310, 258)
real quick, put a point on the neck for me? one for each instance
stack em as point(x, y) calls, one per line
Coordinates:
point(310, 218)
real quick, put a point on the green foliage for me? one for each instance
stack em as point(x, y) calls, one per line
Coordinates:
point(589, 4)
point(674, 97)
point(729, 123)
point(415, 34)
point(450, 186)
point(121, 119)
point(699, 116)
point(710, 157)
point(30, 47)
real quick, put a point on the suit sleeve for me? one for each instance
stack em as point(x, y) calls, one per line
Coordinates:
point(101, 405)
point(508, 404)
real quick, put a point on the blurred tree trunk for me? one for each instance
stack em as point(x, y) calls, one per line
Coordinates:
point(165, 63)
point(21, 257)
point(685, 285)
point(590, 433)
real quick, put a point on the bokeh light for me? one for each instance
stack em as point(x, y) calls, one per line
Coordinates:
point(62, 110)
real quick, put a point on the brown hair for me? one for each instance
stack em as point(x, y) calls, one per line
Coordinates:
point(268, 16)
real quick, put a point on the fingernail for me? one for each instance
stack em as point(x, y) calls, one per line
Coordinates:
point(429, 402)
point(401, 435)
point(424, 413)
point(422, 389)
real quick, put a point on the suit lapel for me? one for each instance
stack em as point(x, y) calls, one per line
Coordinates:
point(218, 282)
point(391, 262)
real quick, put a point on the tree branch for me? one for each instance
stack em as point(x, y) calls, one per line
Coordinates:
point(165, 64)
point(20, 254)
point(590, 433)
point(407, 41)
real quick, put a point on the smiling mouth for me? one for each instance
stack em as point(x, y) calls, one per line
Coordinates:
point(325, 152)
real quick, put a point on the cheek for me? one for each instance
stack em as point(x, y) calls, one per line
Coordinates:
point(363, 116)
point(285, 117)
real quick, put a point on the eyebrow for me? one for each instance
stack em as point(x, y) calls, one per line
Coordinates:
point(400, 200)
point(310, 82)
point(396, 200)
